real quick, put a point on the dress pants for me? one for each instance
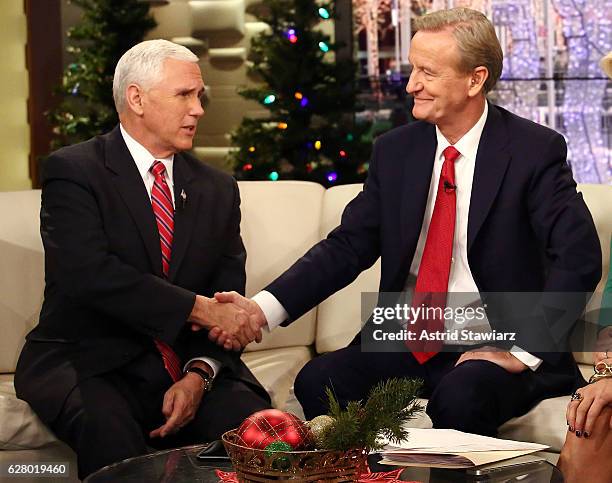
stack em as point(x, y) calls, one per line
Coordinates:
point(108, 418)
point(476, 396)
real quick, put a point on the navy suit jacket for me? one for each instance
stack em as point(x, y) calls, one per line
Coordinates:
point(528, 228)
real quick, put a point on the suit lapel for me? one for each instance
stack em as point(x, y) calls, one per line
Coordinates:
point(134, 193)
point(415, 181)
point(187, 200)
point(491, 165)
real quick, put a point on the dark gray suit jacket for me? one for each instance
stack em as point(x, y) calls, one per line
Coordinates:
point(105, 297)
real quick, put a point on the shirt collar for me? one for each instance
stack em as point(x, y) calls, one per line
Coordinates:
point(468, 144)
point(143, 158)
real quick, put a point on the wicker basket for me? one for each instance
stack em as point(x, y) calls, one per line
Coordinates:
point(259, 465)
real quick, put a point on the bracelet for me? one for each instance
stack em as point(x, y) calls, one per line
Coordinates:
point(603, 370)
point(207, 379)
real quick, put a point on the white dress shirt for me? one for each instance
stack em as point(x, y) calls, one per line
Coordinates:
point(461, 280)
point(144, 160)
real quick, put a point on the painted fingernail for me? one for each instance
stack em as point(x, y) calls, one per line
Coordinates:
point(586, 434)
point(570, 429)
point(578, 433)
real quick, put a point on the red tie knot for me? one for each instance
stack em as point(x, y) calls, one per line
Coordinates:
point(451, 154)
point(158, 168)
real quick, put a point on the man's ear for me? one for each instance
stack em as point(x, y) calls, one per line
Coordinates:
point(479, 75)
point(133, 96)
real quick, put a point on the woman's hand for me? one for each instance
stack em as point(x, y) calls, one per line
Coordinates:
point(586, 406)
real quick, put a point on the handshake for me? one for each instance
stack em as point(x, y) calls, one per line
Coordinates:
point(231, 319)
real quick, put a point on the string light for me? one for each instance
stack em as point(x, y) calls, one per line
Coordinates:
point(298, 95)
point(349, 137)
point(304, 102)
point(283, 125)
point(247, 167)
point(269, 99)
point(343, 154)
point(317, 145)
point(323, 46)
point(582, 112)
point(273, 176)
point(323, 13)
point(332, 177)
point(251, 149)
point(291, 36)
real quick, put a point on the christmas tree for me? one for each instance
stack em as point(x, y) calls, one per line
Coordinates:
point(108, 28)
point(310, 133)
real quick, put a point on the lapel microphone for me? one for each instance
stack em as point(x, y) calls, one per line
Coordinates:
point(183, 196)
point(448, 186)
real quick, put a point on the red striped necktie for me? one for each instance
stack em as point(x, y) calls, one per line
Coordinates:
point(432, 280)
point(161, 200)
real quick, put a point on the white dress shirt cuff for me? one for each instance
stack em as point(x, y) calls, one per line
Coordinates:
point(273, 310)
point(214, 364)
point(526, 358)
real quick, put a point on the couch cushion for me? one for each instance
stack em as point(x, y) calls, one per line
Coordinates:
point(276, 369)
point(280, 222)
point(22, 275)
point(20, 428)
point(544, 424)
point(598, 198)
point(339, 317)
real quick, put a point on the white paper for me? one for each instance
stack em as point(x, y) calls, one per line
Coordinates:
point(453, 441)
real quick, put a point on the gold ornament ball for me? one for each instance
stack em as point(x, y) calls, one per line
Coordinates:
point(318, 424)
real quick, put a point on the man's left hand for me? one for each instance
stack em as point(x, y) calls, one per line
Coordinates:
point(497, 356)
point(181, 402)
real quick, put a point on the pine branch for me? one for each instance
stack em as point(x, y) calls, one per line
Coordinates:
point(390, 405)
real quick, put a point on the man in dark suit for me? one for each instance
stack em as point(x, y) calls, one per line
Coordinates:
point(137, 236)
point(469, 200)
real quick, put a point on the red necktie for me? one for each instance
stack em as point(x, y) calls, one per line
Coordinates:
point(161, 200)
point(432, 280)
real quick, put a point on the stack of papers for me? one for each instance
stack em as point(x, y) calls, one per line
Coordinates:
point(448, 448)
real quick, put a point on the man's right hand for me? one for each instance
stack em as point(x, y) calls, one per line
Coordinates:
point(257, 319)
point(229, 324)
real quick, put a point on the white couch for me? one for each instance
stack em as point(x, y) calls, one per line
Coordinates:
point(280, 222)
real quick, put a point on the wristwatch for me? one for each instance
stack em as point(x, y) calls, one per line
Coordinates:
point(207, 379)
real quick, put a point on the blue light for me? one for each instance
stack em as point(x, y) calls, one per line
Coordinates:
point(332, 177)
point(323, 13)
point(323, 46)
point(304, 102)
point(273, 176)
point(269, 99)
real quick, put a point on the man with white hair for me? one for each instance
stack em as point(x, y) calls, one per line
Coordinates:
point(138, 236)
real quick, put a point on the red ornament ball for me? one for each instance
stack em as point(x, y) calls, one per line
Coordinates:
point(265, 427)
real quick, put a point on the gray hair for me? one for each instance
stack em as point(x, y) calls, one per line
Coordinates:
point(476, 40)
point(143, 64)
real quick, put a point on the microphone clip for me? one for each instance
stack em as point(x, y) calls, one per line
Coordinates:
point(449, 187)
point(183, 196)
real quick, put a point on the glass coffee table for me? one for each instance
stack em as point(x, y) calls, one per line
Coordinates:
point(183, 466)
